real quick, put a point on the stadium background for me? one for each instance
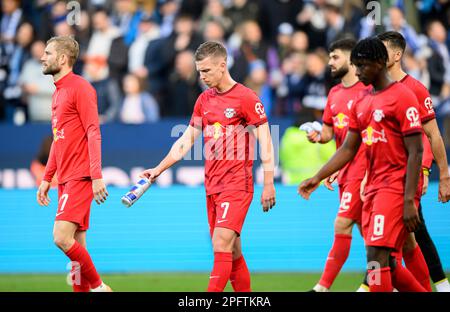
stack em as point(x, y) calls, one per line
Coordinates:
point(162, 242)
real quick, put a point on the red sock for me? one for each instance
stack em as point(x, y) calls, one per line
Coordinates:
point(78, 253)
point(336, 259)
point(415, 263)
point(240, 276)
point(223, 262)
point(380, 280)
point(404, 281)
point(79, 284)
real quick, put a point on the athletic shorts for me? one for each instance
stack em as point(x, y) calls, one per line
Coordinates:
point(350, 201)
point(382, 220)
point(228, 210)
point(74, 202)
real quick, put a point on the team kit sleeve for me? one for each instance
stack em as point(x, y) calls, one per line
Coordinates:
point(427, 157)
point(253, 110)
point(196, 118)
point(327, 117)
point(50, 168)
point(408, 114)
point(86, 104)
point(426, 109)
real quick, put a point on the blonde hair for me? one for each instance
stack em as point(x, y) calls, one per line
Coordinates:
point(66, 45)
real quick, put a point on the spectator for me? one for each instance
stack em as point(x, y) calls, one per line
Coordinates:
point(311, 20)
point(395, 21)
point(337, 26)
point(242, 10)
point(126, 18)
point(138, 105)
point(168, 10)
point(215, 11)
point(439, 61)
point(37, 87)
point(10, 19)
point(184, 85)
point(252, 48)
point(15, 108)
point(314, 94)
point(96, 68)
point(148, 31)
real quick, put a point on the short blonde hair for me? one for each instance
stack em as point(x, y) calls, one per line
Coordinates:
point(66, 45)
point(210, 48)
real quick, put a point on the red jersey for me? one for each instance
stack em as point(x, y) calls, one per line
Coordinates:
point(76, 147)
point(426, 112)
point(383, 118)
point(337, 115)
point(229, 149)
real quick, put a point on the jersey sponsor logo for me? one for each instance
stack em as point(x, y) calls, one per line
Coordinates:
point(259, 108)
point(429, 105)
point(371, 136)
point(205, 113)
point(230, 112)
point(413, 116)
point(58, 134)
point(349, 104)
point(378, 115)
point(341, 120)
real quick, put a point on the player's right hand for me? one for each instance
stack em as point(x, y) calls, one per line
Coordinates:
point(410, 216)
point(308, 186)
point(150, 174)
point(313, 136)
point(42, 193)
point(329, 181)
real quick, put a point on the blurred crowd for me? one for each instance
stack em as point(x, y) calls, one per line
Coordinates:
point(138, 54)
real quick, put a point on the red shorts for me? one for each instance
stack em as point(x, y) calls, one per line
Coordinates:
point(228, 210)
point(351, 205)
point(382, 220)
point(74, 202)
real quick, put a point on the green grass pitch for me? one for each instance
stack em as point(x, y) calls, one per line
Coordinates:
point(181, 282)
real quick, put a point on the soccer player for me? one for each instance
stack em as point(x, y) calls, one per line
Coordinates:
point(335, 122)
point(230, 116)
point(387, 122)
point(395, 44)
point(75, 155)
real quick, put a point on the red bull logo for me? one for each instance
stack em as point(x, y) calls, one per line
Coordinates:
point(58, 134)
point(371, 136)
point(341, 120)
point(214, 131)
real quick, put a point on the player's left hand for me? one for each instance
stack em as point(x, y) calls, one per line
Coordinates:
point(410, 216)
point(444, 189)
point(308, 186)
point(99, 189)
point(268, 197)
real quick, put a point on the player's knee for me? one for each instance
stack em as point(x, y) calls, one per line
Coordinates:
point(377, 257)
point(343, 226)
point(62, 242)
point(222, 244)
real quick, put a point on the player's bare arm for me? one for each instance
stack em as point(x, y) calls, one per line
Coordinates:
point(176, 153)
point(268, 163)
point(342, 156)
point(414, 148)
point(437, 146)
